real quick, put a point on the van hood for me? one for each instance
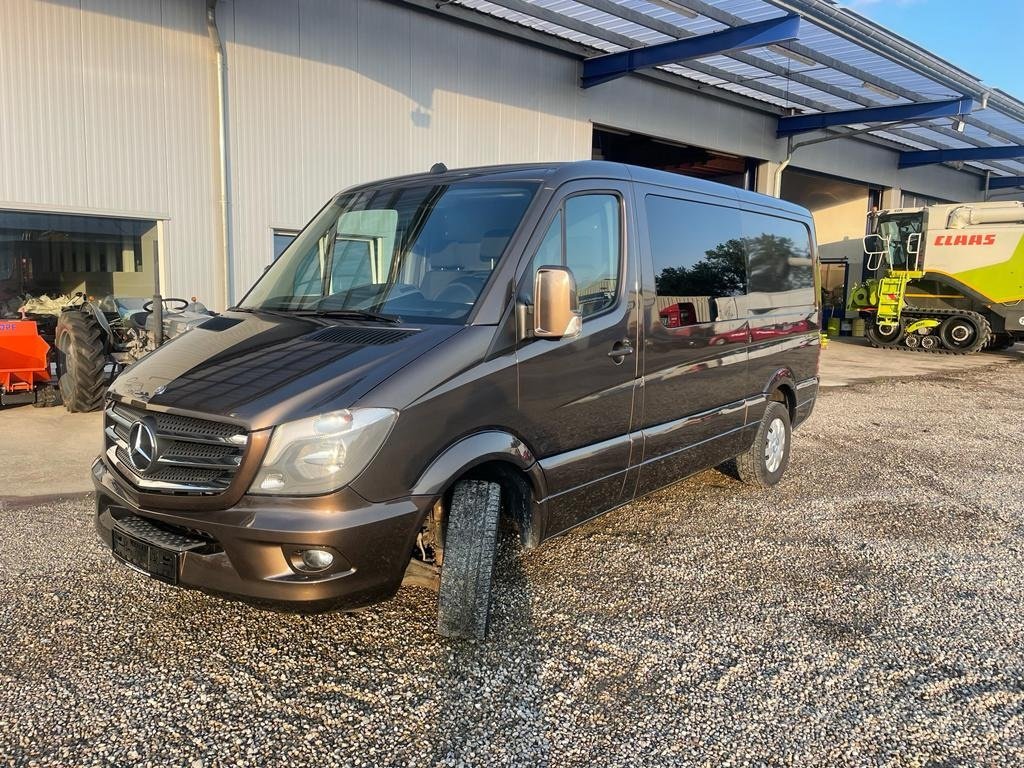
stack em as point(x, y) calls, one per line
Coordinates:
point(264, 369)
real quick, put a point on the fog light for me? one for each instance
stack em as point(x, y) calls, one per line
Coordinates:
point(316, 559)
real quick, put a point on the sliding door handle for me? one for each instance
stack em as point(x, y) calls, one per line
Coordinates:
point(620, 350)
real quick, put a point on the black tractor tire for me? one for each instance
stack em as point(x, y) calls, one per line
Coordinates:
point(764, 463)
point(81, 353)
point(471, 541)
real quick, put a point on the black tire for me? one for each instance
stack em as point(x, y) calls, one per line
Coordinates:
point(878, 338)
point(754, 466)
point(997, 342)
point(464, 598)
point(81, 354)
point(960, 332)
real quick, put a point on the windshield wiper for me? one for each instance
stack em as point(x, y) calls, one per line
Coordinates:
point(263, 311)
point(361, 314)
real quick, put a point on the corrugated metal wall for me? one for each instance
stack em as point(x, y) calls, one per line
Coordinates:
point(325, 94)
point(111, 105)
point(106, 105)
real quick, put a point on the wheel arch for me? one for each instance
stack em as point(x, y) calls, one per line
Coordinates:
point(502, 458)
point(781, 388)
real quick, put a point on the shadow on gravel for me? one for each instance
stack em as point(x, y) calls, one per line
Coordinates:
point(493, 689)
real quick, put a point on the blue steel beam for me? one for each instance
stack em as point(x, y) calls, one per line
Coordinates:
point(933, 156)
point(1005, 182)
point(601, 69)
point(927, 110)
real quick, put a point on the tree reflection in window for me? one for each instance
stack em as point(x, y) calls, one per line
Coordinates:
point(722, 272)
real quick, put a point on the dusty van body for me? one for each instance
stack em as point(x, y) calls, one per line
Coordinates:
point(388, 388)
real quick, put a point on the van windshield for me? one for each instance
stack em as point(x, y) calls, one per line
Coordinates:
point(421, 252)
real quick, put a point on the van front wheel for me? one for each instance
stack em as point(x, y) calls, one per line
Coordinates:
point(464, 599)
point(765, 461)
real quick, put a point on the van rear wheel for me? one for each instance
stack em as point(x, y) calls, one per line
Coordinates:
point(464, 599)
point(763, 464)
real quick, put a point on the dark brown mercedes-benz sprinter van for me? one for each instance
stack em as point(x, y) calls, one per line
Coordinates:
point(438, 353)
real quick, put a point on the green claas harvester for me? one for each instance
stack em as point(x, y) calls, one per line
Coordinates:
point(948, 278)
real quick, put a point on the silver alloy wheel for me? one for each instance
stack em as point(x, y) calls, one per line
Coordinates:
point(774, 445)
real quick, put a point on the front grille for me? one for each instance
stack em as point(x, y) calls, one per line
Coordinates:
point(190, 456)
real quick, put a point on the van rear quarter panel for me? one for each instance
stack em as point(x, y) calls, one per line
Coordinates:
point(785, 325)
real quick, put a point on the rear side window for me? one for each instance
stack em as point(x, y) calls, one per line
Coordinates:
point(698, 259)
point(778, 260)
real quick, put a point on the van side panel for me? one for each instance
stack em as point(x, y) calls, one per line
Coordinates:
point(696, 375)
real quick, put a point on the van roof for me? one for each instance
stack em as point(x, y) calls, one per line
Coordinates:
point(555, 174)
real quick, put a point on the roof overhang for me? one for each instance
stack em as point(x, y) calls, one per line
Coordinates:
point(842, 68)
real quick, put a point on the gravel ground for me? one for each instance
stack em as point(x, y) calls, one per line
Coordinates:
point(867, 611)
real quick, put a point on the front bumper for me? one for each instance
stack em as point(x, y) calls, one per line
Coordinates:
point(246, 545)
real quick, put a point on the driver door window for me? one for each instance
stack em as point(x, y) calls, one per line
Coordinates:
point(585, 237)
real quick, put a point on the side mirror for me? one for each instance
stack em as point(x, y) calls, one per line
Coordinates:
point(556, 312)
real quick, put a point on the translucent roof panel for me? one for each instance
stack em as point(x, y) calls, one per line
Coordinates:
point(821, 71)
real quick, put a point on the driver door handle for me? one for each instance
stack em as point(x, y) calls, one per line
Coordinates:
point(620, 350)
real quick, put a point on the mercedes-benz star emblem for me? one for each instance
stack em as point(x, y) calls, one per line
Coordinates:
point(141, 446)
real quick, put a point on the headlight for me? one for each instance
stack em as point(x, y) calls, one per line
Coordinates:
point(323, 453)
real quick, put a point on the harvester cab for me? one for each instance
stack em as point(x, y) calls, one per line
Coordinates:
point(896, 242)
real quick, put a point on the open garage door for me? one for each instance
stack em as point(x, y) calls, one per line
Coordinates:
point(664, 155)
point(56, 254)
point(840, 209)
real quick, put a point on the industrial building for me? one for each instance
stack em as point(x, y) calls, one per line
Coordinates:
point(178, 145)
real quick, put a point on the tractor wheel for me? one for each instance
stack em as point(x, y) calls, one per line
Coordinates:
point(81, 355)
point(999, 341)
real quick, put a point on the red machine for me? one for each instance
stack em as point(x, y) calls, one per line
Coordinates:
point(24, 365)
point(678, 315)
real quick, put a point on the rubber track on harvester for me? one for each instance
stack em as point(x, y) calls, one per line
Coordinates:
point(983, 338)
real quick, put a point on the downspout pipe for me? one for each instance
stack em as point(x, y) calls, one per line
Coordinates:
point(223, 160)
point(777, 181)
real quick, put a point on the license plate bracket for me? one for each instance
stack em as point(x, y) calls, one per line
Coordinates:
point(152, 560)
